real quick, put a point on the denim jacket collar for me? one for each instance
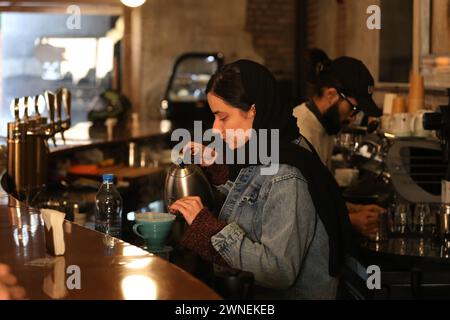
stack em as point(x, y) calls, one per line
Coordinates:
point(236, 188)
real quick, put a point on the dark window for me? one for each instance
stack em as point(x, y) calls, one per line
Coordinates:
point(396, 40)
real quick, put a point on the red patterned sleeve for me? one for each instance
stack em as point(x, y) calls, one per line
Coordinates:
point(217, 174)
point(198, 236)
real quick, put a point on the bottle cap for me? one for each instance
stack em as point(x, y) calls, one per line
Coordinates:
point(108, 177)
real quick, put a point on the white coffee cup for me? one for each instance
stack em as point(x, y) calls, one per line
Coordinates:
point(417, 128)
point(400, 124)
point(386, 123)
point(388, 102)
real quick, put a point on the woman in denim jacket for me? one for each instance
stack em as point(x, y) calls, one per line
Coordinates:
point(290, 227)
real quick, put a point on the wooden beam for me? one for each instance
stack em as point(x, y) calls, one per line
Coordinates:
point(131, 56)
point(126, 54)
point(425, 27)
point(107, 7)
point(416, 37)
point(45, 2)
point(136, 53)
point(85, 9)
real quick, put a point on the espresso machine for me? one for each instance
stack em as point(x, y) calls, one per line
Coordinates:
point(27, 147)
point(413, 262)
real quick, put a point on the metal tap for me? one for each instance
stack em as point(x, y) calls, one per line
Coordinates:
point(51, 128)
point(67, 103)
point(27, 141)
point(63, 101)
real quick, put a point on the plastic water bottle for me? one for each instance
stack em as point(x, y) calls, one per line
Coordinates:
point(108, 203)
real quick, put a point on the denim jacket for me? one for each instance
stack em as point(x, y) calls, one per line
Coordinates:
point(274, 232)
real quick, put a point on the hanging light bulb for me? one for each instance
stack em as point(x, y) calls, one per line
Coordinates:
point(133, 3)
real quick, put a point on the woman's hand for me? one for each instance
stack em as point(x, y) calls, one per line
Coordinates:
point(189, 207)
point(207, 155)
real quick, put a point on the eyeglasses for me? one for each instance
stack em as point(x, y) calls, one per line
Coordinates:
point(355, 108)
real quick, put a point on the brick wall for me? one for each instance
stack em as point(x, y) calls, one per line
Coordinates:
point(272, 26)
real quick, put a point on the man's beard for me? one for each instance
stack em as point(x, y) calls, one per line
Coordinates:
point(331, 120)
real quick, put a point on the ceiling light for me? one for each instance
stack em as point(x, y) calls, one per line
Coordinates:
point(133, 3)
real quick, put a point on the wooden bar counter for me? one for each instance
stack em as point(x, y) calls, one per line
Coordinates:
point(109, 268)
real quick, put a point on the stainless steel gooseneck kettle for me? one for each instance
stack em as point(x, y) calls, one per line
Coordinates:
point(187, 180)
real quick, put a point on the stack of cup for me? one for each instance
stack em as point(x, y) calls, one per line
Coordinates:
point(416, 105)
point(387, 112)
point(416, 93)
point(404, 117)
point(399, 105)
point(401, 120)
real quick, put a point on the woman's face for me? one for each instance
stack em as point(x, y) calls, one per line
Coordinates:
point(233, 124)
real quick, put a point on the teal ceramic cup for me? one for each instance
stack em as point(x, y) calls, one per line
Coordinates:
point(153, 227)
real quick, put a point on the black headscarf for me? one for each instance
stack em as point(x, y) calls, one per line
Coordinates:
point(261, 89)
